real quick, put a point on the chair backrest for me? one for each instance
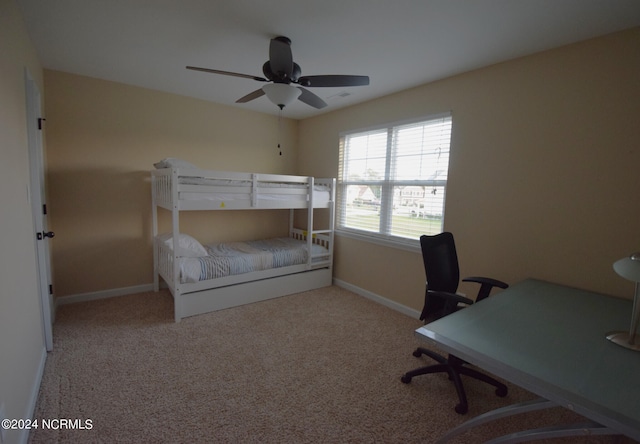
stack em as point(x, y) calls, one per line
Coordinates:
point(442, 272)
point(440, 262)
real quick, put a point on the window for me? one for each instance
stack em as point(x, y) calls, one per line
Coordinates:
point(392, 180)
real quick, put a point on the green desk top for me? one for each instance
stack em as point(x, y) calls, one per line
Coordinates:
point(551, 340)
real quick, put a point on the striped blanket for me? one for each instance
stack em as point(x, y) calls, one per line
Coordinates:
point(231, 258)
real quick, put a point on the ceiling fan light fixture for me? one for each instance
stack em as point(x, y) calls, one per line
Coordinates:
point(281, 71)
point(281, 94)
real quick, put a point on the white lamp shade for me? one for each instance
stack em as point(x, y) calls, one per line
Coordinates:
point(281, 94)
point(629, 267)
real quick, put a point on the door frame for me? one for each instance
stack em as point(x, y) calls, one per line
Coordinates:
point(37, 196)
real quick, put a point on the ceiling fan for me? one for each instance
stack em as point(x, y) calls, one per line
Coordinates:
point(281, 72)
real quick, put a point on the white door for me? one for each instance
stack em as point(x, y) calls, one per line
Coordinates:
point(37, 196)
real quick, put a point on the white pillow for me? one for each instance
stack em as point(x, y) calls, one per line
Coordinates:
point(172, 162)
point(187, 245)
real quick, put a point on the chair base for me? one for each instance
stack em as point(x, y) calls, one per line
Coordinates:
point(454, 367)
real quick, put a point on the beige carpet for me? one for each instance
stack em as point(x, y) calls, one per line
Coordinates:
point(317, 367)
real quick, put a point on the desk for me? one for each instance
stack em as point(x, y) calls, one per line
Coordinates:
point(550, 340)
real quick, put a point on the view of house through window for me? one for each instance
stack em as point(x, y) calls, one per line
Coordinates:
point(392, 180)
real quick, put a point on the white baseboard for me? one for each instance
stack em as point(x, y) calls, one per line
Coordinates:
point(92, 296)
point(33, 396)
point(95, 295)
point(377, 298)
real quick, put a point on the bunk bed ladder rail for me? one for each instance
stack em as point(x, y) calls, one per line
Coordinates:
point(310, 186)
point(323, 238)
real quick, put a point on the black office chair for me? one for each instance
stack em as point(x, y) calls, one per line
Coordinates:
point(443, 275)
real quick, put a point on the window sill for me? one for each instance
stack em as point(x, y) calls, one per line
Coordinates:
point(412, 245)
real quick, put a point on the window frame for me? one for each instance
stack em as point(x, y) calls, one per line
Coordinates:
point(383, 236)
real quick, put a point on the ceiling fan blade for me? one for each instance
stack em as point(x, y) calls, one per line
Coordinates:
point(228, 73)
point(280, 57)
point(311, 99)
point(333, 81)
point(254, 95)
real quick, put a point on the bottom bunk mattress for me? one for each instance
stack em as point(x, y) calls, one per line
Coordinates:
point(233, 258)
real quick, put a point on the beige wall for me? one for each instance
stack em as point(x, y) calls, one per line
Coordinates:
point(21, 339)
point(102, 141)
point(543, 179)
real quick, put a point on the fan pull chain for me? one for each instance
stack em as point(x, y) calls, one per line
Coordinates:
point(279, 129)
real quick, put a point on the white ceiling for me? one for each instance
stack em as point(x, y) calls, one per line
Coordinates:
point(398, 43)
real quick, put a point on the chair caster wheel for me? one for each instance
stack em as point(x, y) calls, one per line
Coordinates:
point(461, 409)
point(501, 392)
point(406, 379)
point(417, 353)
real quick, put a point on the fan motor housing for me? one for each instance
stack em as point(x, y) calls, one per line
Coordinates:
point(274, 77)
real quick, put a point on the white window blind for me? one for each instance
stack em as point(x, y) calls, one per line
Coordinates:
point(392, 180)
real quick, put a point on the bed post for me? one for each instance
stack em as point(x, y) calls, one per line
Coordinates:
point(332, 221)
point(310, 221)
point(154, 224)
point(175, 231)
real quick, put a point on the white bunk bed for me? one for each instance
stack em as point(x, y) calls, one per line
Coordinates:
point(178, 189)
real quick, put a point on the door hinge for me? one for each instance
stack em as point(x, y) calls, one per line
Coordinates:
point(50, 289)
point(44, 208)
point(40, 120)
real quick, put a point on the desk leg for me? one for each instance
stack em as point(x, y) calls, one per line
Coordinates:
point(588, 428)
point(510, 410)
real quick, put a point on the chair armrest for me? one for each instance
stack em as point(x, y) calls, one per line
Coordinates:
point(453, 297)
point(441, 303)
point(486, 285)
point(486, 280)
